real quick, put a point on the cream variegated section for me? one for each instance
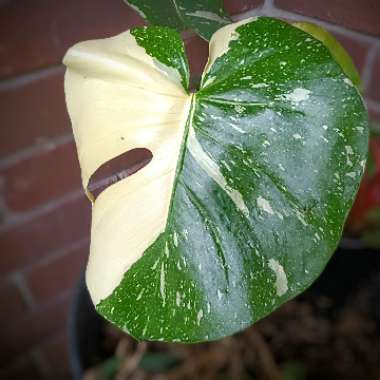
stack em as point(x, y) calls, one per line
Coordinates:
point(112, 87)
point(213, 171)
point(119, 98)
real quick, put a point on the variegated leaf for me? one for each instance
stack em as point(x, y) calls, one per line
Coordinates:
point(250, 183)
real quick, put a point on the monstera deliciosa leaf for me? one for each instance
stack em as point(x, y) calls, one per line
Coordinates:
point(202, 16)
point(250, 182)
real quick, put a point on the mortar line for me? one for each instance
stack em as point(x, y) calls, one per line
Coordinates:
point(17, 279)
point(55, 254)
point(23, 154)
point(27, 78)
point(368, 66)
point(19, 219)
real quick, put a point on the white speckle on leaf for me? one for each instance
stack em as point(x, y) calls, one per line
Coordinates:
point(226, 165)
point(325, 127)
point(351, 174)
point(220, 294)
point(349, 151)
point(154, 266)
point(237, 128)
point(348, 81)
point(281, 279)
point(360, 129)
point(178, 299)
point(162, 283)
point(248, 77)
point(300, 218)
point(259, 85)
point(239, 109)
point(298, 95)
point(199, 316)
point(140, 294)
point(166, 249)
point(175, 239)
point(297, 136)
point(264, 205)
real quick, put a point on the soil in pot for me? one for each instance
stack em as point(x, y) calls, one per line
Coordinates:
point(330, 332)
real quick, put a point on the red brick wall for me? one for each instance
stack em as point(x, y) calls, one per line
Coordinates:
point(44, 218)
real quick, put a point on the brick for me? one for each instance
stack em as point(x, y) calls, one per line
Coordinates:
point(39, 32)
point(56, 355)
point(32, 112)
point(21, 337)
point(3, 211)
point(61, 274)
point(374, 85)
point(357, 49)
point(14, 306)
point(24, 243)
point(363, 16)
point(25, 368)
point(374, 114)
point(240, 6)
point(48, 174)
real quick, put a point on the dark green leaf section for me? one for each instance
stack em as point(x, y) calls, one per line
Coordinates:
point(166, 46)
point(203, 16)
point(275, 148)
point(336, 49)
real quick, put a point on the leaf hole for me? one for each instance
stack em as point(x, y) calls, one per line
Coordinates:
point(120, 167)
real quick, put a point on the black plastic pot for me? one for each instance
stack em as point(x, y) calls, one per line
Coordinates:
point(85, 331)
point(347, 269)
